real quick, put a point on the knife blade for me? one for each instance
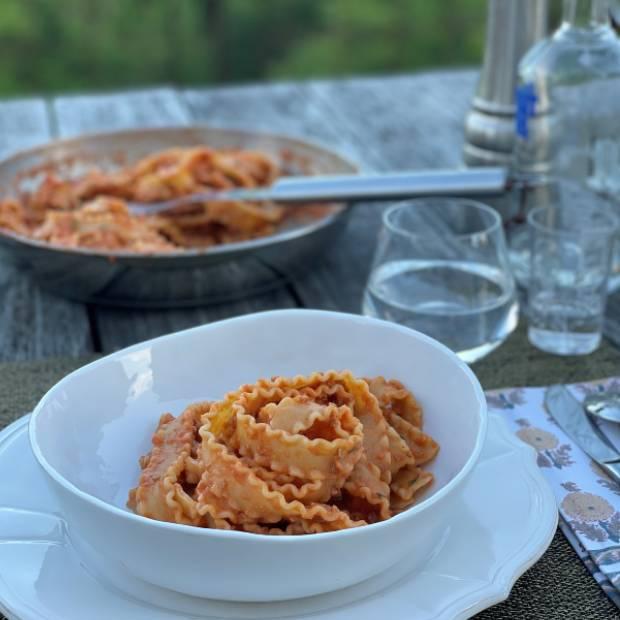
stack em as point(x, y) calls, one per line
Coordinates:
point(568, 412)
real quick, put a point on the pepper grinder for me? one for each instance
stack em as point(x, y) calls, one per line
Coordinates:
point(513, 26)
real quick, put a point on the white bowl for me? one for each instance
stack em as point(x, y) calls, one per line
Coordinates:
point(89, 430)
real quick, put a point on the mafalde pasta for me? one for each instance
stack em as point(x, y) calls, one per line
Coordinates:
point(298, 455)
point(90, 211)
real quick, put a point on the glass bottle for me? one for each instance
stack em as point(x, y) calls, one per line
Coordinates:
point(568, 113)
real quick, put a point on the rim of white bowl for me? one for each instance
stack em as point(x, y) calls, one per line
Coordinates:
point(285, 538)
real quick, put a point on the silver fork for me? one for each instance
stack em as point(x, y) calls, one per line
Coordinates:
point(313, 189)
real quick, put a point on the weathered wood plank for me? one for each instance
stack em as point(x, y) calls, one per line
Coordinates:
point(287, 108)
point(114, 111)
point(417, 119)
point(413, 121)
point(33, 323)
point(23, 123)
point(118, 328)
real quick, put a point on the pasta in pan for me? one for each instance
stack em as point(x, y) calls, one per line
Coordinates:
point(91, 212)
point(297, 455)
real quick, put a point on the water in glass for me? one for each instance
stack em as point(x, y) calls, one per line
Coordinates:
point(441, 268)
point(561, 324)
point(470, 307)
point(570, 259)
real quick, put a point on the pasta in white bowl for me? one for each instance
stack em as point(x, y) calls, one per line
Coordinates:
point(228, 453)
point(302, 455)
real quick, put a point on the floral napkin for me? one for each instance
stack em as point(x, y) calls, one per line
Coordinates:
point(588, 500)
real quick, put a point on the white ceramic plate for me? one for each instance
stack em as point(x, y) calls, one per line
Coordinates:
point(497, 532)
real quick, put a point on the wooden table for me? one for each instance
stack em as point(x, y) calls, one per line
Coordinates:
point(383, 123)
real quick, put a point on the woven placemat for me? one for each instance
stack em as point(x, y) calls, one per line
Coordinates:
point(557, 587)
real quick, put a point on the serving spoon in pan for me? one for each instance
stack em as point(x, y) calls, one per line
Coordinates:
point(343, 188)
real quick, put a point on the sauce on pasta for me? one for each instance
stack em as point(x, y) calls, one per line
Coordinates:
point(90, 211)
point(297, 455)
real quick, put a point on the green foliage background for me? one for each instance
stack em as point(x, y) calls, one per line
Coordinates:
point(54, 45)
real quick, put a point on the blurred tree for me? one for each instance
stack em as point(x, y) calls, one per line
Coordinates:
point(53, 45)
point(259, 34)
point(360, 36)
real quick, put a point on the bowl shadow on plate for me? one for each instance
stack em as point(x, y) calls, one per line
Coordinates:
point(116, 578)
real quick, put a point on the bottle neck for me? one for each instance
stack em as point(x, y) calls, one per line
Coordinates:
point(586, 14)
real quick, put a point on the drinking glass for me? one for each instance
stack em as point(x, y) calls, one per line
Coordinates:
point(553, 191)
point(441, 267)
point(570, 257)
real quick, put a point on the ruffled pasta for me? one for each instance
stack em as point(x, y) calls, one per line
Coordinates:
point(90, 211)
point(298, 455)
point(412, 448)
point(12, 217)
point(394, 397)
point(103, 222)
point(162, 492)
